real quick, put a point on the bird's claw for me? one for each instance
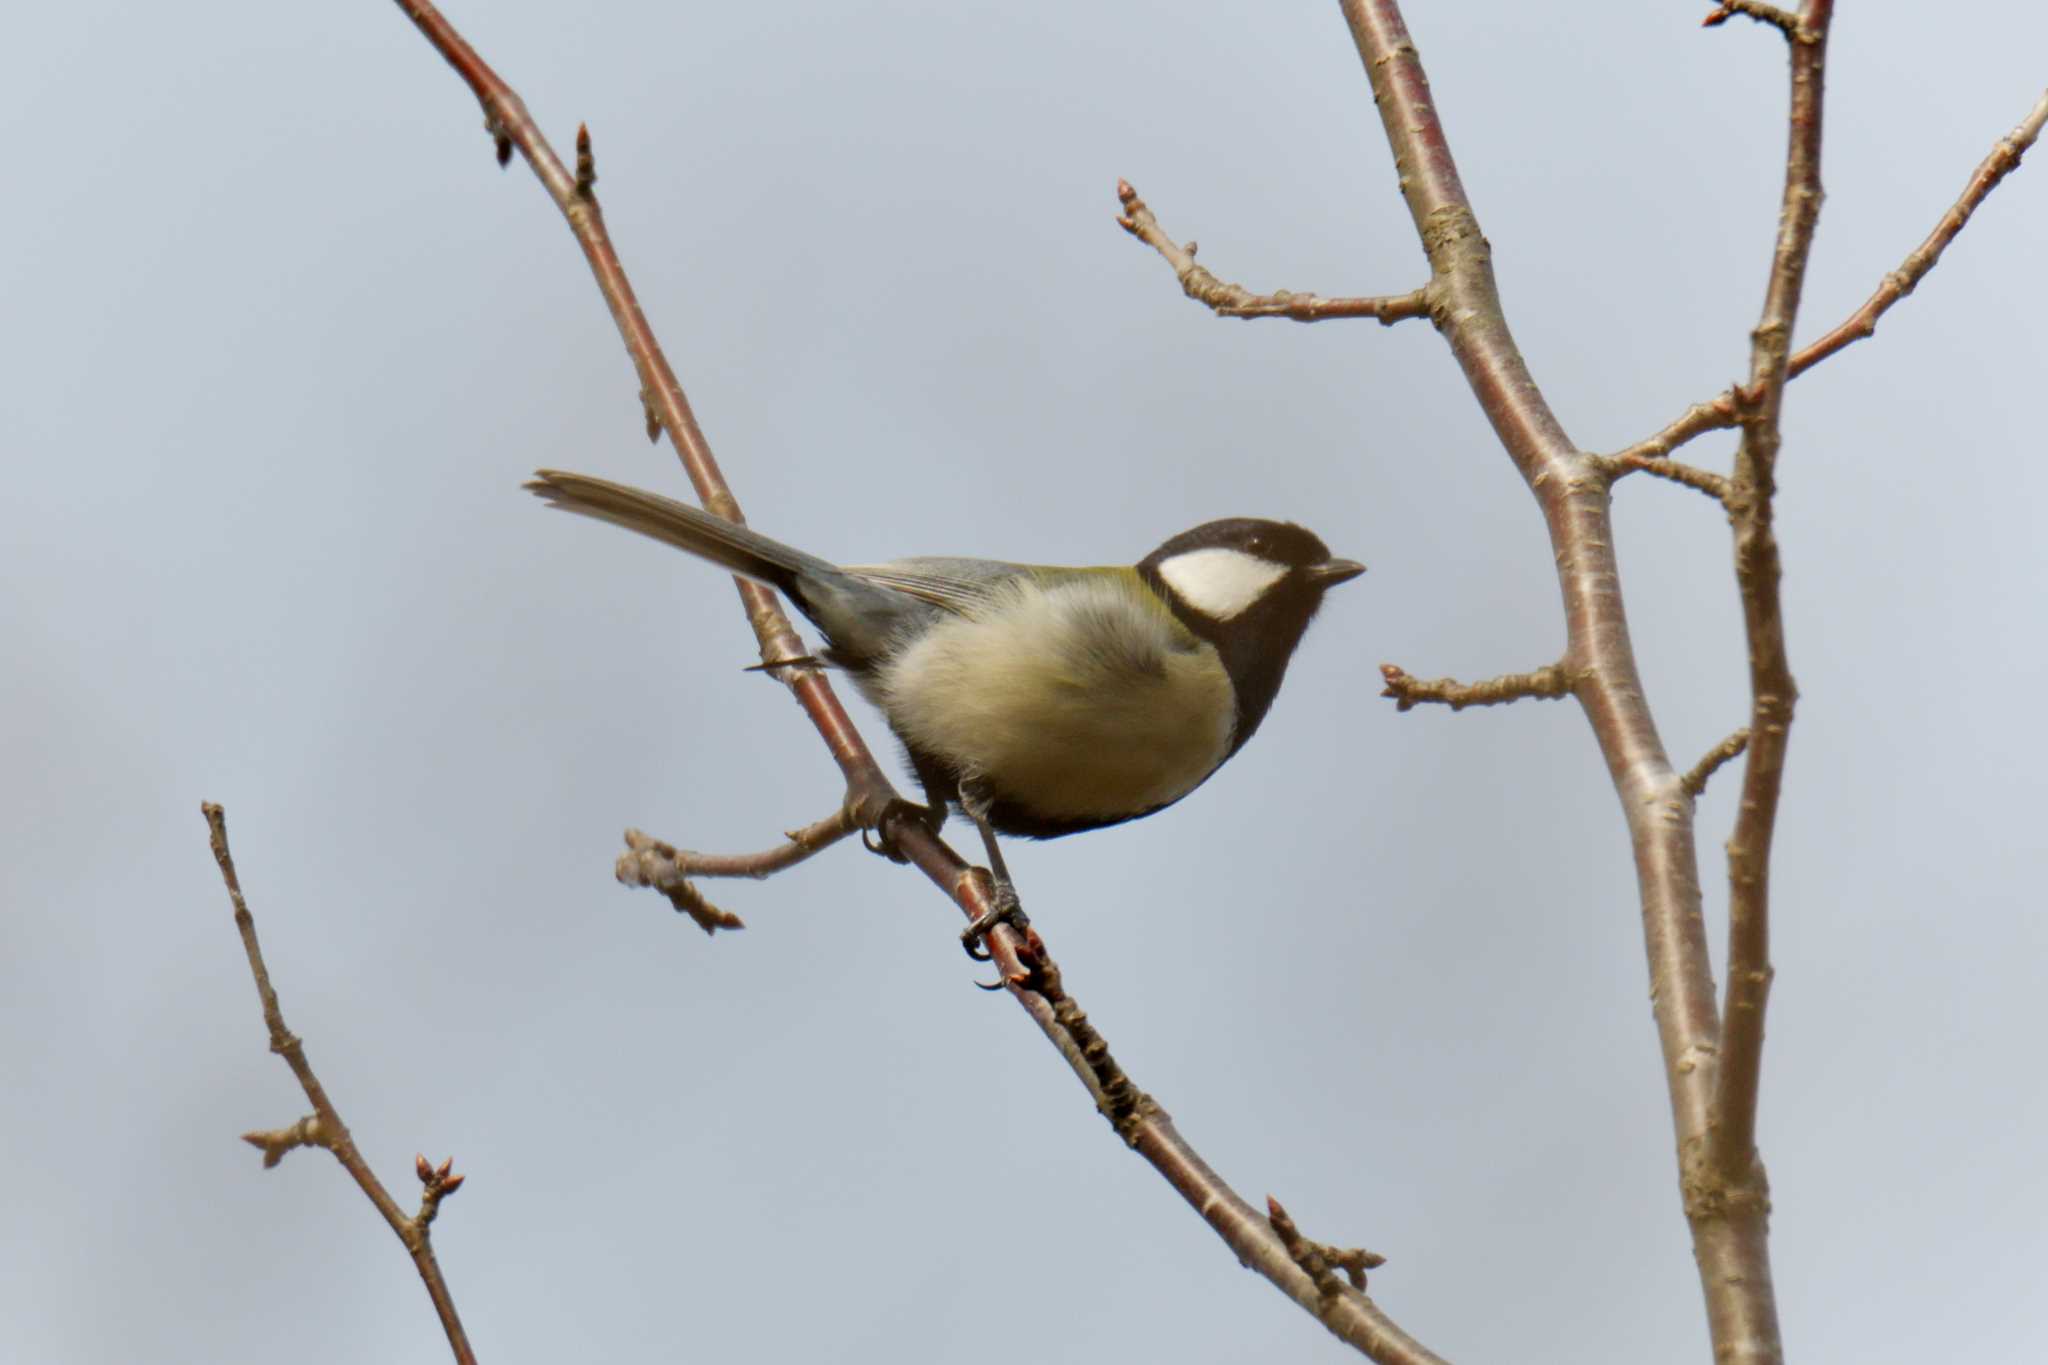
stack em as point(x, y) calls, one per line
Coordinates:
point(875, 838)
point(1006, 910)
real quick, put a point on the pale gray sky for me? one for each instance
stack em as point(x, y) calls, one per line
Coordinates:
point(282, 342)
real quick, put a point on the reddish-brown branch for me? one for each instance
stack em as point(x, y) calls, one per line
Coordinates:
point(1025, 967)
point(323, 1127)
point(1723, 411)
point(1550, 681)
point(1234, 300)
point(505, 116)
point(2003, 159)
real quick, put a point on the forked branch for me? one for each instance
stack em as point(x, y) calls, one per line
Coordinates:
point(1572, 489)
point(1724, 410)
point(324, 1128)
point(2003, 160)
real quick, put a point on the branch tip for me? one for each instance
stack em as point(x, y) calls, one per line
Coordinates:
point(1321, 1261)
point(324, 1127)
point(1782, 20)
point(2003, 158)
point(586, 163)
point(1726, 409)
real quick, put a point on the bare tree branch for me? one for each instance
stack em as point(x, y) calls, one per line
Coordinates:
point(1695, 780)
point(1572, 490)
point(1721, 412)
point(1676, 471)
point(323, 1127)
point(1549, 681)
point(1234, 300)
point(2003, 159)
point(1726, 1184)
point(869, 792)
point(664, 867)
point(1026, 968)
point(1716, 414)
point(1783, 20)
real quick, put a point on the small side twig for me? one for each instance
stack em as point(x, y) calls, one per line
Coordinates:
point(1782, 20)
point(1319, 1260)
point(1234, 300)
point(323, 1127)
point(1691, 476)
point(1716, 414)
point(1695, 780)
point(2002, 160)
point(1549, 682)
point(1724, 410)
point(436, 1184)
point(275, 1142)
point(650, 862)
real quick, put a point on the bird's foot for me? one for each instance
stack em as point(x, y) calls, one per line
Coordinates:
point(1007, 909)
point(874, 834)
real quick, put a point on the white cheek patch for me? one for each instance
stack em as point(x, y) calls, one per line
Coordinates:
point(1220, 582)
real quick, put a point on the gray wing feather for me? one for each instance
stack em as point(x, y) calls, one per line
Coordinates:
point(961, 586)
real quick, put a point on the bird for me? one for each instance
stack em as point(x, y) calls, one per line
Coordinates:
point(1043, 701)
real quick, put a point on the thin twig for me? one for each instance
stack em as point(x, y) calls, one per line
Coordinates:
point(1695, 780)
point(2002, 160)
point(1321, 1261)
point(1783, 20)
point(1723, 411)
point(870, 797)
point(1717, 414)
point(323, 1127)
point(436, 1184)
point(1234, 300)
point(1548, 682)
point(1677, 471)
point(650, 862)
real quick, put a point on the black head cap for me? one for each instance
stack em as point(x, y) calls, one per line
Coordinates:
point(1249, 587)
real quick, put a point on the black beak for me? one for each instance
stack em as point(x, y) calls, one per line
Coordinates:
point(1331, 572)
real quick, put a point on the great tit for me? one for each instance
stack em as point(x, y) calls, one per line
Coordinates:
point(1043, 701)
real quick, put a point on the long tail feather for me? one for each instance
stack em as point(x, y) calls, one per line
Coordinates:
point(727, 544)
